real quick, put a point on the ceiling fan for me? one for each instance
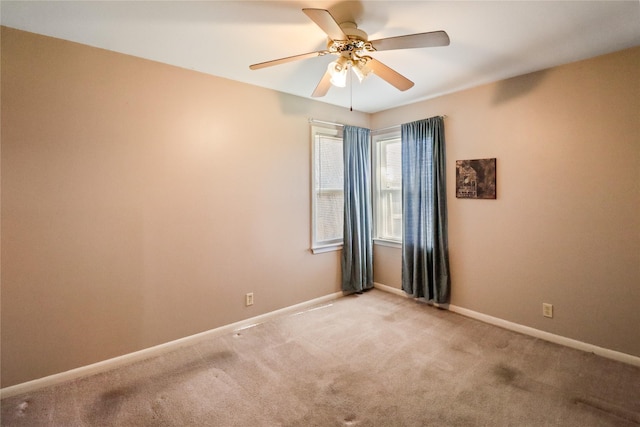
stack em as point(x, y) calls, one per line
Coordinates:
point(352, 47)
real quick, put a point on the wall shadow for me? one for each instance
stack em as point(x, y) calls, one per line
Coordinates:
point(516, 87)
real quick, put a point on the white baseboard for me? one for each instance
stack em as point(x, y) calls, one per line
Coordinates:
point(547, 336)
point(116, 362)
point(390, 289)
point(157, 350)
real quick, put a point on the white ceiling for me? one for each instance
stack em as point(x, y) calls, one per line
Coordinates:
point(490, 41)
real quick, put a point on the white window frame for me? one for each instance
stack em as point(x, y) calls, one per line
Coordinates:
point(321, 246)
point(379, 140)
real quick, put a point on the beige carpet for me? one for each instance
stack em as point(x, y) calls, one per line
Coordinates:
point(375, 359)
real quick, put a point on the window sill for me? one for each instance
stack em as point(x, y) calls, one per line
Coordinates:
point(388, 243)
point(326, 248)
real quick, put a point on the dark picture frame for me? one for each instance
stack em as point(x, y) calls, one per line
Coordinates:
point(476, 179)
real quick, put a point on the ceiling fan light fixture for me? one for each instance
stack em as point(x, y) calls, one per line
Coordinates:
point(338, 70)
point(361, 69)
point(339, 79)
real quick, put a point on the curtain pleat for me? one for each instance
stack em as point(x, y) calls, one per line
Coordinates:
point(425, 252)
point(357, 252)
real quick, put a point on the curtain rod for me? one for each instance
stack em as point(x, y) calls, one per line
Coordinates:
point(325, 123)
point(387, 128)
point(311, 120)
point(397, 126)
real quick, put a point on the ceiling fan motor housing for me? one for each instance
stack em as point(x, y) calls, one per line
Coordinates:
point(351, 29)
point(355, 47)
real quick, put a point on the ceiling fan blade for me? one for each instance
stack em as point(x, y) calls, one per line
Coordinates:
point(392, 77)
point(412, 41)
point(287, 59)
point(326, 22)
point(323, 86)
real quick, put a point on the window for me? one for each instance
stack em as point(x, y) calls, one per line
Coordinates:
point(327, 202)
point(388, 188)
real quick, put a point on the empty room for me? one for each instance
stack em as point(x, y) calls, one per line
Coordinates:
point(320, 213)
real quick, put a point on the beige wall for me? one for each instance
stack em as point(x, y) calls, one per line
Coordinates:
point(140, 202)
point(565, 228)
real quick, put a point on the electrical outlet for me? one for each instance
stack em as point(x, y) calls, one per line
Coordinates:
point(547, 309)
point(248, 299)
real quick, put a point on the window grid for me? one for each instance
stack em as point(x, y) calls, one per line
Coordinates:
point(388, 191)
point(328, 189)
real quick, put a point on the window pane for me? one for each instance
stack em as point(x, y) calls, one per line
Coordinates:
point(329, 216)
point(329, 167)
point(393, 165)
point(391, 214)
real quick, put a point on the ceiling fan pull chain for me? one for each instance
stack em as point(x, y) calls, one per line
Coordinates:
point(350, 91)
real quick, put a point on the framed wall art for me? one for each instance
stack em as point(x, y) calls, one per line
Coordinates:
point(476, 179)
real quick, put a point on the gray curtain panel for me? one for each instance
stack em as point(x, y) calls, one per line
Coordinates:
point(357, 252)
point(425, 253)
